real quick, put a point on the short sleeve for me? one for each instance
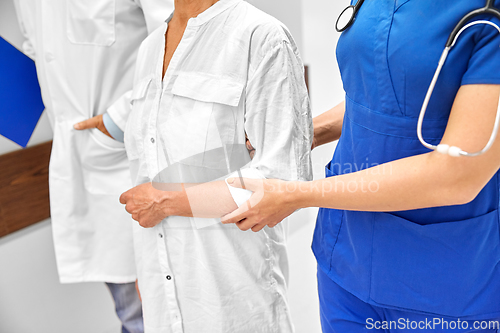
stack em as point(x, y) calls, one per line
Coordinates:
point(484, 63)
point(277, 114)
point(112, 128)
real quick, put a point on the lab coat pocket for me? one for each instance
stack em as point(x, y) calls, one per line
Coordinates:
point(448, 268)
point(104, 164)
point(91, 22)
point(207, 88)
point(203, 115)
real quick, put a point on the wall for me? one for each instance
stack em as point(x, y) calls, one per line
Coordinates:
point(32, 300)
point(287, 11)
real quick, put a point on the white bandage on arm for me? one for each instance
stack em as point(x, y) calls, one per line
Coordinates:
point(240, 196)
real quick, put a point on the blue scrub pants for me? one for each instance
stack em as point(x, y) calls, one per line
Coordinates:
point(128, 306)
point(342, 312)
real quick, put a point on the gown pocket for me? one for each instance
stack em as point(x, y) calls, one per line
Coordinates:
point(91, 22)
point(202, 117)
point(104, 164)
point(448, 268)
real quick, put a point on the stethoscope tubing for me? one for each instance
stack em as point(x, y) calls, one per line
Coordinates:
point(452, 39)
point(443, 148)
point(488, 9)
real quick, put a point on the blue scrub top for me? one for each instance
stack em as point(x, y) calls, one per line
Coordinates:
point(443, 261)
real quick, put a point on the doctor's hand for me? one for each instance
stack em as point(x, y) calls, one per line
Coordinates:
point(94, 122)
point(147, 205)
point(269, 204)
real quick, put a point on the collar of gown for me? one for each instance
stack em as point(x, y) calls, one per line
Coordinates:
point(217, 8)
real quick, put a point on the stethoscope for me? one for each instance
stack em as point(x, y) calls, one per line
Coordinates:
point(346, 19)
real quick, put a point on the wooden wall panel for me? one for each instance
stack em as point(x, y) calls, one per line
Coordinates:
point(24, 188)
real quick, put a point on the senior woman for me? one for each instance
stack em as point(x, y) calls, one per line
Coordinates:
point(407, 239)
point(216, 72)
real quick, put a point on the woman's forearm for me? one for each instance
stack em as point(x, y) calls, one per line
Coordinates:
point(206, 200)
point(328, 125)
point(150, 203)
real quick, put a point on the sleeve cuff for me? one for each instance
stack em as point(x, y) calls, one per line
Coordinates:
point(112, 128)
point(119, 110)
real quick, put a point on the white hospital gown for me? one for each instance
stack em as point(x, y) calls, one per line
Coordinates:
point(235, 71)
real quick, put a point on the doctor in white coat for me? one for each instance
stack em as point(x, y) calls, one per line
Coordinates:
point(85, 52)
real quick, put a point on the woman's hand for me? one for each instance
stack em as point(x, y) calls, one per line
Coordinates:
point(147, 205)
point(271, 202)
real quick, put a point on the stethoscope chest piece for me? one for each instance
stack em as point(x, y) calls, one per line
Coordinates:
point(346, 18)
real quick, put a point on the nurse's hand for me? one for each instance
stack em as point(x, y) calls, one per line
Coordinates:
point(250, 148)
point(147, 205)
point(271, 202)
point(94, 122)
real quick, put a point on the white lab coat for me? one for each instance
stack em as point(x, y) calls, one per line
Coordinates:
point(85, 52)
point(236, 70)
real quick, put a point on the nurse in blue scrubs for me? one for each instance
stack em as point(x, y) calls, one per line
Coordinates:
point(408, 239)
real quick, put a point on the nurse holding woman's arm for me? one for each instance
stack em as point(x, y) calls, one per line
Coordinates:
point(415, 182)
point(405, 236)
point(420, 181)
